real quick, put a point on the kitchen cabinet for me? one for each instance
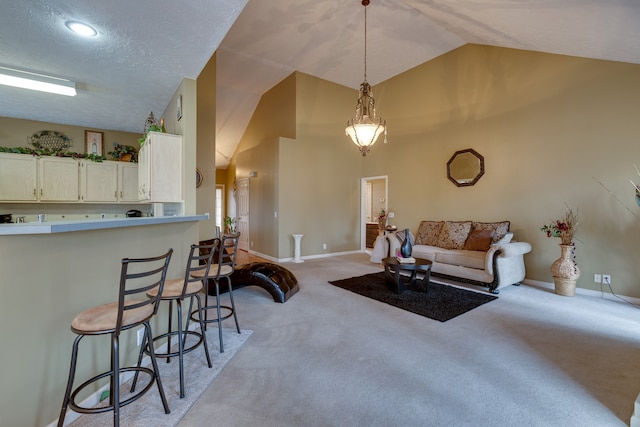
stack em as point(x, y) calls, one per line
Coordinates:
point(160, 168)
point(18, 177)
point(58, 179)
point(127, 182)
point(99, 181)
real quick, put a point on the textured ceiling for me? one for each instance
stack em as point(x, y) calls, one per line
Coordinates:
point(145, 48)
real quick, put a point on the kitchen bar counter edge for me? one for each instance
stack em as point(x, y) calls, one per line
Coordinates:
point(84, 225)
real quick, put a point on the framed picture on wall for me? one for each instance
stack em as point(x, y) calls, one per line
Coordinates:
point(93, 142)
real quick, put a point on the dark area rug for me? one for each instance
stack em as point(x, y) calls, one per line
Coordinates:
point(440, 302)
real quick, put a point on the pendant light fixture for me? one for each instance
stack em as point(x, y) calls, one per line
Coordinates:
point(365, 127)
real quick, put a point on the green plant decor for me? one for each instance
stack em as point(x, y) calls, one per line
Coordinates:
point(120, 149)
point(152, 128)
point(48, 152)
point(229, 225)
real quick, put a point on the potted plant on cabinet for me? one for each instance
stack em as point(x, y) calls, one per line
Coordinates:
point(124, 153)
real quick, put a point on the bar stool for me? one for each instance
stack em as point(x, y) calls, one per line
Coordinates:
point(137, 277)
point(177, 290)
point(222, 269)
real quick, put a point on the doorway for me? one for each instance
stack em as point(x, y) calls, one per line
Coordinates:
point(373, 197)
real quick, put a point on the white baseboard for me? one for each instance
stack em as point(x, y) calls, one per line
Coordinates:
point(582, 291)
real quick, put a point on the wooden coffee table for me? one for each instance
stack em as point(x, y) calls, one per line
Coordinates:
point(399, 282)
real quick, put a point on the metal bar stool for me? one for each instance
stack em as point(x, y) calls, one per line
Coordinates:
point(133, 308)
point(223, 268)
point(178, 290)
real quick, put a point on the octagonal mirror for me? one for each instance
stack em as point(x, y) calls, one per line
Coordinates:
point(465, 167)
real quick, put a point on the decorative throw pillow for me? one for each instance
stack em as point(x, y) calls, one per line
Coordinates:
point(454, 234)
point(499, 228)
point(479, 240)
point(400, 236)
point(428, 233)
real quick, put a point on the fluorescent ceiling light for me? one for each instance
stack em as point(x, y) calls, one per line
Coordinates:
point(33, 81)
point(80, 28)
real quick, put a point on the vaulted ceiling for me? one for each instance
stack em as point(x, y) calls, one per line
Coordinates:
point(145, 48)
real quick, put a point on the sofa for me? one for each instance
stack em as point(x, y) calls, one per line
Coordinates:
point(481, 253)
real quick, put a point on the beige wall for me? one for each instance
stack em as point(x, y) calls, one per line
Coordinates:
point(16, 133)
point(553, 129)
point(206, 147)
point(314, 188)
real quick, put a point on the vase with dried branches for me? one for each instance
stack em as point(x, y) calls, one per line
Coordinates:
point(565, 270)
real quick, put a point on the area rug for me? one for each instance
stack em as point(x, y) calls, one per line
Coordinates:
point(440, 302)
point(148, 410)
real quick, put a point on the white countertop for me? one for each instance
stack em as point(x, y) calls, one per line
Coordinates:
point(52, 227)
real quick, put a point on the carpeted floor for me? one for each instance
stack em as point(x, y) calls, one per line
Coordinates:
point(330, 358)
point(148, 410)
point(439, 302)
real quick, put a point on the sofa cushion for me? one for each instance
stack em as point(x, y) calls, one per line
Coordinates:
point(426, 252)
point(470, 259)
point(454, 234)
point(479, 240)
point(428, 233)
point(500, 228)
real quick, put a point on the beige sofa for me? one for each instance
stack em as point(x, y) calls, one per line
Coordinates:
point(482, 253)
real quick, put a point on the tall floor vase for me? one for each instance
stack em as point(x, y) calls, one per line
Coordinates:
point(565, 271)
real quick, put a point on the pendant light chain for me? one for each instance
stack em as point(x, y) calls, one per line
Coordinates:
point(365, 43)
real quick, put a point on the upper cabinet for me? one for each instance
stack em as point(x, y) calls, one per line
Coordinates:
point(127, 182)
point(26, 178)
point(98, 181)
point(18, 177)
point(160, 168)
point(58, 179)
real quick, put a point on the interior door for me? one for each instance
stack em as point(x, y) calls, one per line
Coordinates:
point(243, 213)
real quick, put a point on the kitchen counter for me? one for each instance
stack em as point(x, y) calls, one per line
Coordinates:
point(52, 227)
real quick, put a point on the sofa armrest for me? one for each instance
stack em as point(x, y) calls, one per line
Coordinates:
point(394, 243)
point(507, 250)
point(514, 249)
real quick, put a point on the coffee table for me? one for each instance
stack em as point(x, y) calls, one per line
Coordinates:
point(399, 282)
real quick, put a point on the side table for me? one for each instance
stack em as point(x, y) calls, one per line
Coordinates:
point(400, 283)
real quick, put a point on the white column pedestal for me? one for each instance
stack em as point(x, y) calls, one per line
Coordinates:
point(297, 238)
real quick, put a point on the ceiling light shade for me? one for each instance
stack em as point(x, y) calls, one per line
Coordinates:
point(33, 81)
point(81, 28)
point(365, 127)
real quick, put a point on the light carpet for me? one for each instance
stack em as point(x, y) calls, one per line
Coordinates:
point(148, 410)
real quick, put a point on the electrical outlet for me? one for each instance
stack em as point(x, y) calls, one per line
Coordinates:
point(606, 279)
point(140, 335)
point(392, 214)
point(324, 246)
point(597, 278)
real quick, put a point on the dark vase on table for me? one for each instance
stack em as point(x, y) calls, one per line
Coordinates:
point(405, 248)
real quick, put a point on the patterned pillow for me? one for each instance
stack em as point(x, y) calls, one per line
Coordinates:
point(454, 234)
point(428, 233)
point(499, 228)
